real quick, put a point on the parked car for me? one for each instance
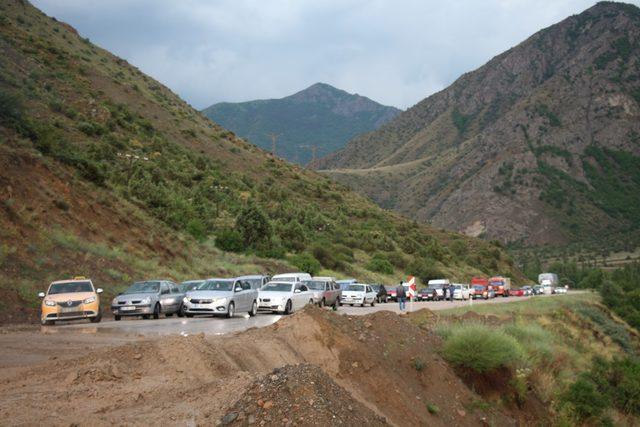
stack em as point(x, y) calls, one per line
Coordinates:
point(256, 281)
point(381, 293)
point(537, 290)
point(482, 291)
point(560, 290)
point(461, 291)
point(190, 285)
point(325, 291)
point(391, 294)
point(359, 294)
point(225, 297)
point(528, 290)
point(517, 292)
point(291, 277)
point(148, 298)
point(284, 297)
point(70, 300)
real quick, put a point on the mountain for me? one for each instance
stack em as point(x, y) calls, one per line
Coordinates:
point(320, 118)
point(104, 172)
point(540, 146)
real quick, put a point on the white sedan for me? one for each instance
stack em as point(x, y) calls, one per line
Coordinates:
point(284, 297)
point(359, 294)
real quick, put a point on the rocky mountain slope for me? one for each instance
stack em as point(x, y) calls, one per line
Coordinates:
point(320, 118)
point(541, 145)
point(105, 172)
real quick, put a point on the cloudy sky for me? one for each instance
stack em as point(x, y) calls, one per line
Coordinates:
point(396, 52)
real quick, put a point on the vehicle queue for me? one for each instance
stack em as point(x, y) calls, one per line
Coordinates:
point(282, 294)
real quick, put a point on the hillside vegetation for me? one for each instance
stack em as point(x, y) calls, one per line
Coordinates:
point(106, 173)
point(564, 360)
point(320, 118)
point(540, 146)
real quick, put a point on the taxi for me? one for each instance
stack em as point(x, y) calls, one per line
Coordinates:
point(70, 300)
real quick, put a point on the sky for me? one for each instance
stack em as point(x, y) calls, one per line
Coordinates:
point(396, 52)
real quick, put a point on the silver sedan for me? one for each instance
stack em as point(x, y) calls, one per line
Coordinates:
point(221, 297)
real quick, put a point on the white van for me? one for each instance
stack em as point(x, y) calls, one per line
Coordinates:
point(291, 277)
point(438, 285)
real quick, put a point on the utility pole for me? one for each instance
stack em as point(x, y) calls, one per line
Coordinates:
point(314, 149)
point(274, 138)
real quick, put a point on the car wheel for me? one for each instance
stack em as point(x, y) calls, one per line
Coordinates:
point(336, 304)
point(146, 316)
point(47, 322)
point(351, 305)
point(156, 311)
point(373, 302)
point(322, 303)
point(254, 309)
point(97, 318)
point(231, 310)
point(180, 311)
point(117, 318)
point(287, 308)
point(189, 315)
point(168, 314)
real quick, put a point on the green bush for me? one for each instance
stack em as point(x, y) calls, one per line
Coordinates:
point(196, 228)
point(230, 240)
point(481, 348)
point(536, 342)
point(584, 399)
point(424, 269)
point(380, 264)
point(254, 226)
point(306, 263)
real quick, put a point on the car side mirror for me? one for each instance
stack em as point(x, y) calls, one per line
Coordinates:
point(297, 291)
point(41, 295)
point(99, 291)
point(238, 289)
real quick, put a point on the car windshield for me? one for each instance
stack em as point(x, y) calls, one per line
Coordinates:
point(70, 287)
point(190, 285)
point(457, 287)
point(255, 283)
point(286, 279)
point(358, 288)
point(478, 288)
point(216, 285)
point(143, 288)
point(277, 287)
point(375, 287)
point(315, 285)
point(435, 286)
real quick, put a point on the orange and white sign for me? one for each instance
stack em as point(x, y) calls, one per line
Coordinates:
point(411, 283)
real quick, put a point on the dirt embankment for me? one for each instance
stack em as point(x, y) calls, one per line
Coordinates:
point(373, 369)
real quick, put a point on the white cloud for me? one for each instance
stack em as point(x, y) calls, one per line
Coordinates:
point(395, 52)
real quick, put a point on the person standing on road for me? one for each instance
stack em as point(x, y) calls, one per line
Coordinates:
point(451, 290)
point(401, 296)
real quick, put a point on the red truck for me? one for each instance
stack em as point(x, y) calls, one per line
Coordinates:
point(501, 285)
point(481, 289)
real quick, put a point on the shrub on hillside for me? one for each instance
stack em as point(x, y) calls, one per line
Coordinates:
point(306, 263)
point(229, 240)
point(424, 269)
point(481, 349)
point(380, 264)
point(254, 226)
point(584, 399)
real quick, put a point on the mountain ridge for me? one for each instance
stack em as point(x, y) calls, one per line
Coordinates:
point(505, 150)
point(319, 118)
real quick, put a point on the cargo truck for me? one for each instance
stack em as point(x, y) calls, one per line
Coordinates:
point(548, 281)
point(501, 285)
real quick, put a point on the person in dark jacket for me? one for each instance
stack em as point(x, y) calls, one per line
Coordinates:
point(451, 290)
point(401, 296)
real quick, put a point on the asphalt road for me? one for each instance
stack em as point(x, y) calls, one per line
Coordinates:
point(220, 326)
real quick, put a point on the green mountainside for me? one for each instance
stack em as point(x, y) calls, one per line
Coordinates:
point(320, 118)
point(540, 146)
point(106, 173)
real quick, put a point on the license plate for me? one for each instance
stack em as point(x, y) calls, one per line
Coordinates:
point(129, 308)
point(197, 305)
point(68, 309)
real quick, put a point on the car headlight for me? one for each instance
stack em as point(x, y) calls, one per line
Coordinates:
point(49, 303)
point(89, 300)
point(185, 299)
point(146, 300)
